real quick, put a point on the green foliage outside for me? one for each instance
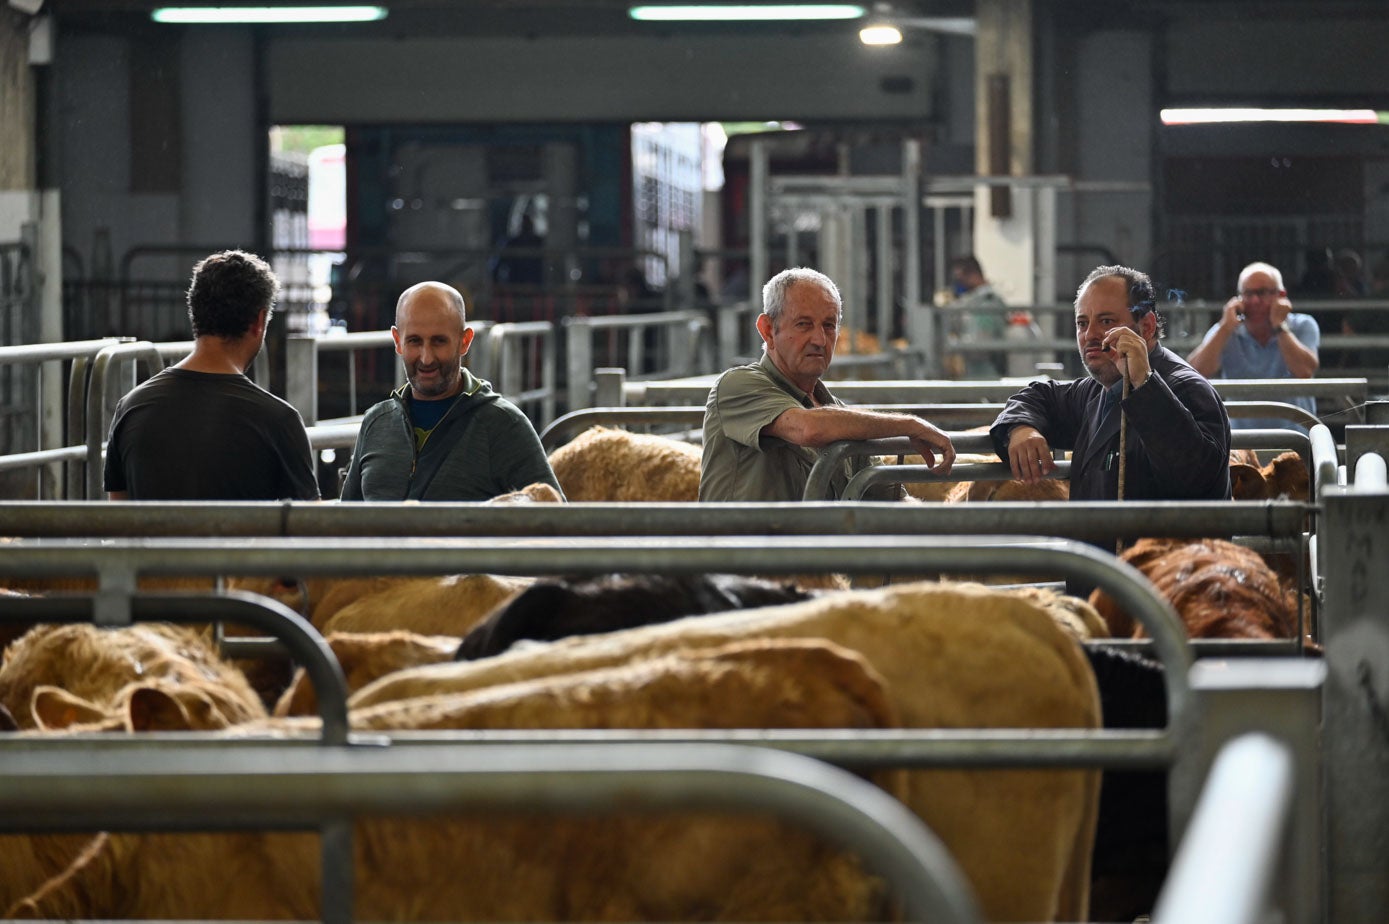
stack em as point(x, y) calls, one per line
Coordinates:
point(301, 139)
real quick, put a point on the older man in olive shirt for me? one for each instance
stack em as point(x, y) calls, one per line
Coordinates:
point(765, 422)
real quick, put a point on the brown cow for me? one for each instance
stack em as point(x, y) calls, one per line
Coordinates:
point(98, 665)
point(368, 656)
point(954, 656)
point(517, 867)
point(603, 464)
point(1218, 588)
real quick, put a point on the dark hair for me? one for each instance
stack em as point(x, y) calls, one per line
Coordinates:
point(967, 264)
point(1142, 296)
point(227, 292)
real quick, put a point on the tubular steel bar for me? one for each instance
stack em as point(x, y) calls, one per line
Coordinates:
point(103, 376)
point(1325, 459)
point(1228, 860)
point(1086, 520)
point(258, 785)
point(303, 642)
point(29, 353)
point(565, 428)
point(917, 474)
point(120, 561)
point(833, 456)
point(915, 391)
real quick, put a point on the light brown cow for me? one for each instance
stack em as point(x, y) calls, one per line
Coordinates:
point(98, 665)
point(663, 867)
point(368, 656)
point(955, 657)
point(150, 677)
point(448, 605)
point(603, 464)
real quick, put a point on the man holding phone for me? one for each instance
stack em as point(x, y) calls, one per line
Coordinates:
point(1178, 437)
point(1259, 336)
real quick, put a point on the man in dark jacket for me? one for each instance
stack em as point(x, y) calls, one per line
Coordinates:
point(1178, 440)
point(446, 435)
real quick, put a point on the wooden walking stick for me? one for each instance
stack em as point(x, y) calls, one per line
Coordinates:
point(1123, 455)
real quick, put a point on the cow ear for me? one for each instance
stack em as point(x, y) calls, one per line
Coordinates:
point(150, 708)
point(54, 708)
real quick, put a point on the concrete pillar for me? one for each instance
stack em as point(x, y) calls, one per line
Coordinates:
point(17, 167)
point(561, 170)
point(1005, 219)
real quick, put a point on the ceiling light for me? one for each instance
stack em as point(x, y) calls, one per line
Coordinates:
point(267, 14)
point(880, 34)
point(1209, 116)
point(745, 13)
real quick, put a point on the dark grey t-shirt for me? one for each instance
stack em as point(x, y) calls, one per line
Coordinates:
point(186, 435)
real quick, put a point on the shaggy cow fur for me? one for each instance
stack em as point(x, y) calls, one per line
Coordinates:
point(1218, 588)
point(954, 656)
point(626, 867)
point(603, 464)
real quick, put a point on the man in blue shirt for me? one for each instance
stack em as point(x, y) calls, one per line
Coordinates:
point(1259, 336)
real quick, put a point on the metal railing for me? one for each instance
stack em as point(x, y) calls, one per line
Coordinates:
point(568, 426)
point(522, 362)
point(39, 355)
point(1227, 863)
point(248, 784)
point(302, 378)
point(832, 457)
point(668, 344)
point(695, 391)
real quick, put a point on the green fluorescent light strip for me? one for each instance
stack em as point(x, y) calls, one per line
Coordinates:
point(272, 14)
point(729, 13)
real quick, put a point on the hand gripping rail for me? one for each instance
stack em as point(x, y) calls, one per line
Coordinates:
point(241, 785)
point(566, 427)
point(818, 483)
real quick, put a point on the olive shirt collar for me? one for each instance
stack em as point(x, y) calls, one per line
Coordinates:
point(822, 394)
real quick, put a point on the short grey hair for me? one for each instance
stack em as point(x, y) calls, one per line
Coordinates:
point(1267, 269)
point(774, 292)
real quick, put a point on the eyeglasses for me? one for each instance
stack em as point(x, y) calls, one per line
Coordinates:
point(1258, 293)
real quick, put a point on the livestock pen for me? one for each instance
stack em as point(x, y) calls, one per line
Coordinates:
point(895, 547)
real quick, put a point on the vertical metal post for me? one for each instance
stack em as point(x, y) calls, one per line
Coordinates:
point(757, 219)
point(920, 324)
point(1363, 439)
point(1354, 534)
point(578, 342)
point(688, 270)
point(335, 851)
point(1283, 698)
point(301, 376)
point(883, 265)
point(607, 387)
point(76, 427)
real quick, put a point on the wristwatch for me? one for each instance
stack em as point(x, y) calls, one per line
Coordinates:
point(1282, 328)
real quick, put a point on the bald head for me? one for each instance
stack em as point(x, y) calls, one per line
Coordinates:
point(432, 294)
point(432, 338)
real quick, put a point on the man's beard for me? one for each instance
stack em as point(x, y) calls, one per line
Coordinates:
point(443, 383)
